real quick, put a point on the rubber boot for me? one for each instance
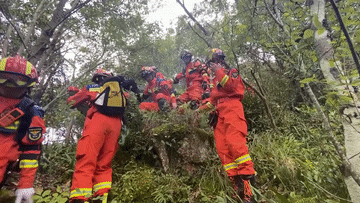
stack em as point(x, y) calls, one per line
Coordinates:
point(244, 187)
point(194, 105)
point(163, 105)
point(102, 199)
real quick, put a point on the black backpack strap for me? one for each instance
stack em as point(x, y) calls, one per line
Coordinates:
point(25, 104)
point(25, 121)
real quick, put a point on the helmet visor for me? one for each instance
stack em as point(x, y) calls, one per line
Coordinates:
point(14, 79)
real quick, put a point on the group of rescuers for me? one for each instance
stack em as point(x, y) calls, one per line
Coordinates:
point(211, 86)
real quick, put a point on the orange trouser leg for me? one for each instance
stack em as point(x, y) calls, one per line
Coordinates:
point(149, 106)
point(103, 173)
point(96, 130)
point(8, 152)
point(195, 94)
point(231, 146)
point(184, 97)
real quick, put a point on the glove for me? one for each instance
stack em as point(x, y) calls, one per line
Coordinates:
point(24, 194)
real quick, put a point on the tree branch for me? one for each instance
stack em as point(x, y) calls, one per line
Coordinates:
point(192, 18)
point(207, 43)
point(351, 47)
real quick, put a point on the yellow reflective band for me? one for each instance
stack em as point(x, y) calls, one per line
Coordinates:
point(224, 80)
point(105, 196)
point(28, 68)
point(96, 89)
point(3, 64)
point(243, 159)
point(102, 185)
point(230, 166)
point(211, 85)
point(13, 126)
point(210, 105)
point(27, 163)
point(32, 84)
point(83, 192)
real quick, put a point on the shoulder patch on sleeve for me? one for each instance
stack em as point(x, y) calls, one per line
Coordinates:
point(35, 133)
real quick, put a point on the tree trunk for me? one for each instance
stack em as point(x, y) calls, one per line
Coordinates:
point(32, 28)
point(325, 54)
point(44, 39)
point(6, 42)
point(68, 137)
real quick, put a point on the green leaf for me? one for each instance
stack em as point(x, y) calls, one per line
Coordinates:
point(58, 189)
point(307, 80)
point(320, 31)
point(46, 193)
point(308, 33)
point(281, 198)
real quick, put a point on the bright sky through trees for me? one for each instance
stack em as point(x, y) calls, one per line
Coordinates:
point(168, 11)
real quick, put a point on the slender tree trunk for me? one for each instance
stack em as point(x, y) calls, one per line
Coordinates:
point(32, 27)
point(325, 54)
point(68, 137)
point(6, 42)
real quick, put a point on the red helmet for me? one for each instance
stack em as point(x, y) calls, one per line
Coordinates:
point(217, 54)
point(17, 72)
point(99, 74)
point(155, 69)
point(146, 70)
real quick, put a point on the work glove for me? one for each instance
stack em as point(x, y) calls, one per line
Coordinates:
point(24, 195)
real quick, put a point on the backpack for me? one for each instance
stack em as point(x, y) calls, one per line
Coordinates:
point(110, 99)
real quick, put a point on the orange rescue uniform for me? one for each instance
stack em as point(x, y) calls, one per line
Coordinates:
point(194, 82)
point(231, 129)
point(158, 88)
point(96, 148)
point(21, 140)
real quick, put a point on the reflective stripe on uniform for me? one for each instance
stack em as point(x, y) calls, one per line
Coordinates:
point(224, 80)
point(28, 163)
point(102, 185)
point(94, 89)
point(83, 192)
point(13, 126)
point(210, 105)
point(2, 64)
point(28, 68)
point(243, 159)
point(230, 166)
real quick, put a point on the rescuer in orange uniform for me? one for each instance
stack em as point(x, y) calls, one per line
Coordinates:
point(99, 142)
point(196, 81)
point(158, 89)
point(21, 124)
point(230, 131)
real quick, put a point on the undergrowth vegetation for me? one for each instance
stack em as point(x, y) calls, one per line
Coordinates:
point(294, 162)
